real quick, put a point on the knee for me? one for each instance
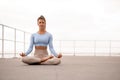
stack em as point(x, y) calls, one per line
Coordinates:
point(24, 59)
point(57, 61)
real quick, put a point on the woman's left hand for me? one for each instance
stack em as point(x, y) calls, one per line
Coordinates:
point(59, 55)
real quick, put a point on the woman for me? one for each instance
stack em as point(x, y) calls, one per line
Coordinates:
point(40, 40)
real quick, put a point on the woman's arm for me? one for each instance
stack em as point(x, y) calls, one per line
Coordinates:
point(51, 46)
point(52, 49)
point(31, 45)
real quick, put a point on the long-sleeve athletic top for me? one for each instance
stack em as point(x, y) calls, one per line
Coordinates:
point(41, 40)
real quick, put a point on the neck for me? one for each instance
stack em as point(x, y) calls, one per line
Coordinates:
point(41, 31)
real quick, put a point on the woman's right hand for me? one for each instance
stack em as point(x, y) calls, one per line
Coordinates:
point(22, 54)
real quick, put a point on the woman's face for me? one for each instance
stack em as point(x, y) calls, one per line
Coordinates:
point(41, 24)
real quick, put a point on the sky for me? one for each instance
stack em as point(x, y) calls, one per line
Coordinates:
point(66, 19)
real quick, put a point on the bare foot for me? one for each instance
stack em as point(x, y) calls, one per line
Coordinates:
point(50, 57)
point(46, 58)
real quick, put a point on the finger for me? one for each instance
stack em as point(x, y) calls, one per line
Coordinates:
point(20, 54)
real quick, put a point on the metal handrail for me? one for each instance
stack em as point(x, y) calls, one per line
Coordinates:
point(95, 53)
point(3, 39)
point(60, 46)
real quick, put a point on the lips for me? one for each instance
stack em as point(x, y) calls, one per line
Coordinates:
point(41, 26)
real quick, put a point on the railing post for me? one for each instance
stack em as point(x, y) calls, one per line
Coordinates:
point(110, 49)
point(2, 41)
point(95, 48)
point(74, 46)
point(60, 46)
point(24, 41)
point(15, 43)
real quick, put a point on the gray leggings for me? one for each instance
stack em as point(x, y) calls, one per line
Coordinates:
point(38, 55)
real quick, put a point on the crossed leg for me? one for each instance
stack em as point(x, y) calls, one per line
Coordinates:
point(53, 61)
point(35, 60)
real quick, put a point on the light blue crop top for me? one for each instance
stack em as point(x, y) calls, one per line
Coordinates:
point(41, 40)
